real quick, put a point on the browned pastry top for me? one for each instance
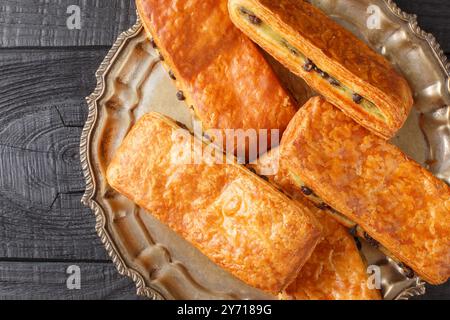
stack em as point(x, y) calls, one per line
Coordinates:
point(340, 45)
point(223, 74)
point(335, 270)
point(332, 60)
point(394, 199)
point(237, 219)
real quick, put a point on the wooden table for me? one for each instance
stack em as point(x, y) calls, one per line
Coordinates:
point(46, 70)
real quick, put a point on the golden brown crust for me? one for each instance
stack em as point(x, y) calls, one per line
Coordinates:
point(335, 270)
point(394, 199)
point(238, 220)
point(221, 72)
point(340, 53)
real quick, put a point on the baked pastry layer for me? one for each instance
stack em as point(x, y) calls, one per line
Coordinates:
point(336, 269)
point(237, 219)
point(393, 199)
point(220, 72)
point(330, 58)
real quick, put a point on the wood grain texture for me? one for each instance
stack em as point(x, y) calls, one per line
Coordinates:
point(43, 23)
point(41, 280)
point(42, 111)
point(25, 23)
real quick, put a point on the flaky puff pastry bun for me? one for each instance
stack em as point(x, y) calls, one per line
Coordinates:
point(332, 60)
point(220, 73)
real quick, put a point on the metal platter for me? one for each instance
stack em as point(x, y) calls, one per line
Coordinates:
point(131, 82)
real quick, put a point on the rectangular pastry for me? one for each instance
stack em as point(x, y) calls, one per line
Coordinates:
point(238, 220)
point(398, 204)
point(221, 74)
point(330, 58)
point(336, 269)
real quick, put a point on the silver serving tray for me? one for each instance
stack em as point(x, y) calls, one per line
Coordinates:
point(132, 82)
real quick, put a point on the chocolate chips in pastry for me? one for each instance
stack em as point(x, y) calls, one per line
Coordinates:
point(218, 70)
point(330, 58)
point(241, 222)
point(336, 270)
point(395, 202)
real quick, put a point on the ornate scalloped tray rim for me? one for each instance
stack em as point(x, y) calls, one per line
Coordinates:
point(88, 198)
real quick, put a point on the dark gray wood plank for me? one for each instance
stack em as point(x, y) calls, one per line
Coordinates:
point(42, 111)
point(54, 234)
point(43, 23)
point(433, 16)
point(25, 23)
point(436, 293)
point(41, 280)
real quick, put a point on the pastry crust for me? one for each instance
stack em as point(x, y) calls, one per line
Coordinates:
point(292, 30)
point(335, 270)
point(392, 198)
point(223, 76)
point(241, 222)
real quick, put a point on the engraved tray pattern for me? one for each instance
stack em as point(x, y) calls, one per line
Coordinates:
point(131, 81)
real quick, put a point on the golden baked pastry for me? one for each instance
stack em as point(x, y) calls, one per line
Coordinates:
point(241, 222)
point(221, 74)
point(330, 58)
point(397, 203)
point(336, 269)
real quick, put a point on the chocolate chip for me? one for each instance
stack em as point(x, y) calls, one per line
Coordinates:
point(172, 75)
point(207, 137)
point(244, 11)
point(254, 19)
point(308, 66)
point(294, 51)
point(180, 96)
point(251, 17)
point(323, 206)
point(333, 81)
point(161, 57)
point(358, 243)
point(354, 230)
point(357, 98)
point(374, 243)
point(152, 41)
point(323, 74)
point(407, 271)
point(306, 191)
